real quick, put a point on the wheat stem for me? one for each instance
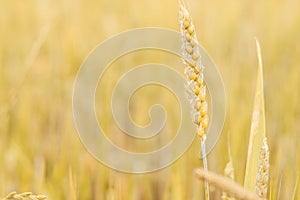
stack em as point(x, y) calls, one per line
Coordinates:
point(205, 166)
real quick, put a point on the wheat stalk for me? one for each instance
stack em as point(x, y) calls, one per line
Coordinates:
point(262, 176)
point(24, 196)
point(196, 90)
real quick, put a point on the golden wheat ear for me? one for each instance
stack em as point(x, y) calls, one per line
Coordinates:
point(262, 176)
point(195, 88)
point(229, 173)
point(24, 196)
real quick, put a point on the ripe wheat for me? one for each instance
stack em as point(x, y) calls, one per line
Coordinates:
point(24, 196)
point(195, 87)
point(262, 176)
point(229, 173)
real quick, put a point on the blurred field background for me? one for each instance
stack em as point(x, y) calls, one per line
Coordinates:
point(43, 44)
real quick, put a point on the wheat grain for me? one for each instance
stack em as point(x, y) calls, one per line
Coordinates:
point(262, 176)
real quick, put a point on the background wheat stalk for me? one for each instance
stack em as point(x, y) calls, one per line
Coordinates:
point(196, 90)
point(229, 173)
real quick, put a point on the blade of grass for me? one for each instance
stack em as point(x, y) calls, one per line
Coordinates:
point(257, 133)
point(279, 187)
point(295, 188)
point(271, 190)
point(72, 185)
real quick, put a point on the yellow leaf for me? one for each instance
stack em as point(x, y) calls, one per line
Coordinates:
point(257, 133)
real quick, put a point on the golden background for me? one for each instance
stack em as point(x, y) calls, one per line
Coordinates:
point(43, 44)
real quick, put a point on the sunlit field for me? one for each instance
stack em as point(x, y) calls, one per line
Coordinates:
point(44, 42)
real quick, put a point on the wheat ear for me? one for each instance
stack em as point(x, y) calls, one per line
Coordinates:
point(229, 173)
point(226, 185)
point(262, 176)
point(196, 90)
point(24, 196)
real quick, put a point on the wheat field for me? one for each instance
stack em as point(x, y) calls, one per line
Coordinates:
point(43, 44)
